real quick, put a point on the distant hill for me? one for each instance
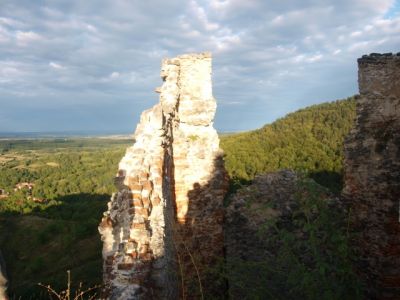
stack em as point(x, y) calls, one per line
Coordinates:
point(309, 140)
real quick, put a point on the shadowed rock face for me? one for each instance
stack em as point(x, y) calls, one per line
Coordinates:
point(164, 225)
point(372, 174)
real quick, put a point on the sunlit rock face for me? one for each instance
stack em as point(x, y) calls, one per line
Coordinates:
point(162, 232)
point(372, 175)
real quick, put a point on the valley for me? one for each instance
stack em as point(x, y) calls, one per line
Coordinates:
point(40, 241)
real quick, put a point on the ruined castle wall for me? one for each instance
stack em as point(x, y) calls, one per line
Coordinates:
point(372, 175)
point(171, 185)
point(200, 178)
point(133, 227)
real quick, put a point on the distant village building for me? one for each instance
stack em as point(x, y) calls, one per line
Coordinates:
point(25, 185)
point(3, 194)
point(40, 200)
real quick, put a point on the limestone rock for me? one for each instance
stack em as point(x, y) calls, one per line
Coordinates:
point(166, 217)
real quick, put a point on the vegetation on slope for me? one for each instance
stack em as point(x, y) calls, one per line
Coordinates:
point(309, 140)
point(288, 238)
point(41, 241)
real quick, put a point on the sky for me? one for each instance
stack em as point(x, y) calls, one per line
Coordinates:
point(74, 65)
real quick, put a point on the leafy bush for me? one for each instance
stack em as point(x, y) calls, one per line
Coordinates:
point(307, 254)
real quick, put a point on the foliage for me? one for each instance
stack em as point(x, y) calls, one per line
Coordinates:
point(309, 140)
point(40, 241)
point(74, 178)
point(56, 172)
point(307, 256)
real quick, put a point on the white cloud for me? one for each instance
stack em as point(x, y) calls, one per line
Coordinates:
point(25, 37)
point(359, 46)
point(225, 41)
point(265, 51)
point(315, 58)
point(56, 66)
point(380, 7)
point(200, 13)
point(10, 22)
point(368, 28)
point(91, 28)
point(11, 71)
point(114, 75)
point(225, 7)
point(355, 33)
point(277, 20)
point(220, 4)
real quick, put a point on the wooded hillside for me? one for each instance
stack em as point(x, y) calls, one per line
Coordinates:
point(309, 140)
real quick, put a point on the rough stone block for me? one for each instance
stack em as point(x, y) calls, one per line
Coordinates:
point(172, 163)
point(125, 267)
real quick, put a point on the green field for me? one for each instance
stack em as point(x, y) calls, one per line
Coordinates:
point(41, 241)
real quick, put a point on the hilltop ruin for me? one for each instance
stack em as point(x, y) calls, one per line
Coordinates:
point(163, 228)
point(163, 232)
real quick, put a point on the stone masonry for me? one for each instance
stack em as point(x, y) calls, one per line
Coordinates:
point(372, 175)
point(162, 231)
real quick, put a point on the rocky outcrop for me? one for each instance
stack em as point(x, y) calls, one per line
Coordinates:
point(372, 175)
point(163, 228)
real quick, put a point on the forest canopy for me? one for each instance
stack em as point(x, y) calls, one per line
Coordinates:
point(309, 140)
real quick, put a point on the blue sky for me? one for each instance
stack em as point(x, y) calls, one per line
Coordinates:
point(94, 65)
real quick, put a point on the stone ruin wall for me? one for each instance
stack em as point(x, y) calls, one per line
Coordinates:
point(372, 175)
point(166, 218)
